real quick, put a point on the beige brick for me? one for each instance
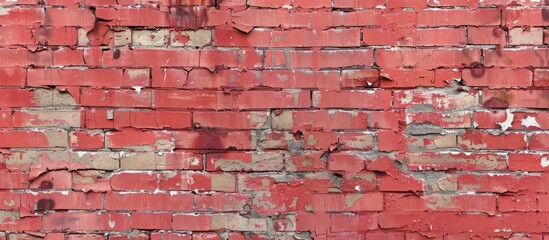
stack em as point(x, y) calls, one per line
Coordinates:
point(531, 36)
point(198, 38)
point(156, 38)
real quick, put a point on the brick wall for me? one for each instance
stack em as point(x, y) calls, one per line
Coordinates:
point(274, 119)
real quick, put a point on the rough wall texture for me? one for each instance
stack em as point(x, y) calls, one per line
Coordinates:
point(272, 119)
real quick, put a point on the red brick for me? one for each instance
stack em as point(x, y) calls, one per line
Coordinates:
point(22, 16)
point(137, 139)
point(486, 35)
point(170, 236)
point(332, 19)
point(319, 140)
point(151, 58)
point(309, 4)
point(16, 35)
point(197, 181)
point(153, 221)
point(213, 140)
point(99, 118)
point(33, 139)
point(330, 59)
point(539, 141)
point(80, 17)
point(357, 4)
point(90, 180)
point(347, 162)
point(134, 181)
point(427, 58)
point(40, 202)
point(308, 38)
point(400, 78)
point(515, 98)
point(328, 120)
point(65, 57)
point(346, 202)
point(115, 98)
point(12, 76)
point(169, 78)
point(262, 17)
point(231, 120)
point(521, 120)
point(528, 162)
point(440, 202)
point(51, 180)
point(324, 80)
point(524, 17)
point(378, 100)
point(152, 119)
point(148, 201)
point(234, 38)
point(307, 162)
point(413, 37)
point(517, 203)
point(244, 59)
point(352, 223)
point(360, 78)
point(501, 183)
point(385, 120)
point(44, 118)
point(497, 78)
point(86, 221)
point(459, 161)
point(14, 180)
point(269, 3)
point(391, 141)
point(162, 18)
point(10, 200)
point(437, 100)
point(541, 78)
point(219, 100)
point(479, 140)
point(514, 58)
point(13, 222)
point(459, 17)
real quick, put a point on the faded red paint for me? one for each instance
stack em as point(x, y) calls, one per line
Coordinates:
point(262, 119)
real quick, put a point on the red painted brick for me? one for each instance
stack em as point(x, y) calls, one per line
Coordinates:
point(87, 221)
point(378, 100)
point(515, 98)
point(115, 98)
point(516, 57)
point(325, 80)
point(40, 202)
point(539, 141)
point(134, 181)
point(460, 161)
point(305, 38)
point(427, 58)
point(527, 162)
point(148, 201)
point(197, 181)
point(33, 139)
point(459, 17)
point(328, 120)
point(153, 221)
point(330, 59)
point(486, 35)
point(137, 139)
point(497, 78)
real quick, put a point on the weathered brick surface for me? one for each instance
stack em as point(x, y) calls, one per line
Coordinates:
point(274, 119)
